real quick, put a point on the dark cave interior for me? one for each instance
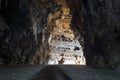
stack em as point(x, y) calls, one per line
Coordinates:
point(26, 26)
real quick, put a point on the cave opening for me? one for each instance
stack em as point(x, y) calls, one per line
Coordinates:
point(31, 30)
point(65, 48)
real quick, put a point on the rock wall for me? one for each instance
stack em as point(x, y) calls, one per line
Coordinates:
point(25, 29)
point(99, 22)
point(21, 30)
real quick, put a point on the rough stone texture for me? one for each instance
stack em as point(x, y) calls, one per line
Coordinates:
point(99, 22)
point(3, 38)
point(63, 46)
point(26, 21)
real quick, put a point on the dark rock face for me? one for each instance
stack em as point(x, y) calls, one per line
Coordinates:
point(100, 27)
point(23, 24)
point(17, 16)
point(21, 30)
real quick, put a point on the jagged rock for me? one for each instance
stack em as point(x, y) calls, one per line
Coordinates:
point(26, 21)
point(24, 24)
point(98, 21)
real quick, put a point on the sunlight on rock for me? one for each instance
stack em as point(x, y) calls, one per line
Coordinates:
point(65, 49)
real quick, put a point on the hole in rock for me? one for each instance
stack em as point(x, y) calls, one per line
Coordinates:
point(64, 47)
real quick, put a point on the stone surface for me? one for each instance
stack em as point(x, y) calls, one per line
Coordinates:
point(65, 49)
point(27, 24)
point(25, 21)
point(98, 21)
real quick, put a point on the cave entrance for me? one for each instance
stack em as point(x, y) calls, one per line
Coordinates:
point(65, 49)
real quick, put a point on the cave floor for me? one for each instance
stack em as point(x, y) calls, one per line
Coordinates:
point(54, 72)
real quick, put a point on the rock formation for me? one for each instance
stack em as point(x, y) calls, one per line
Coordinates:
point(99, 22)
point(22, 38)
point(25, 27)
point(64, 48)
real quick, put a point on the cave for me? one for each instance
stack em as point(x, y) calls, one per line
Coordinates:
point(28, 28)
point(62, 41)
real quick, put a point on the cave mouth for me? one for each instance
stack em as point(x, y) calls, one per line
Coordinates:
point(65, 49)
